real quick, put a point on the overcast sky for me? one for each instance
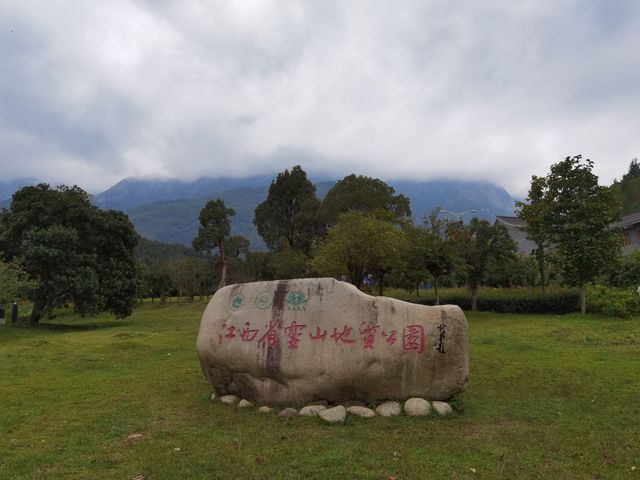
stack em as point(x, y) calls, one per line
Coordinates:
point(498, 90)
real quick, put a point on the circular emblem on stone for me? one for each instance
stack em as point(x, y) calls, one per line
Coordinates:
point(264, 300)
point(296, 298)
point(236, 302)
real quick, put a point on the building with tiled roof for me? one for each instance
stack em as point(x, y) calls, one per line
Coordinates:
point(630, 225)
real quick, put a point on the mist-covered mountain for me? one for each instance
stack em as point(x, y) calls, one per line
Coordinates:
point(134, 192)
point(486, 199)
point(175, 220)
point(167, 210)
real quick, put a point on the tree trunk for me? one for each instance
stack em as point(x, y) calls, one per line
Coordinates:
point(223, 272)
point(583, 298)
point(542, 273)
point(474, 297)
point(435, 291)
point(417, 288)
point(36, 314)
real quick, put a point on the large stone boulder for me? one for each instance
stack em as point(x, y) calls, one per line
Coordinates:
point(296, 341)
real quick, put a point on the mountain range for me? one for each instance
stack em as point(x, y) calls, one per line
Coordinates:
point(167, 210)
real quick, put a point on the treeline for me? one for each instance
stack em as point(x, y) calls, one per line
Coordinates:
point(364, 233)
point(59, 250)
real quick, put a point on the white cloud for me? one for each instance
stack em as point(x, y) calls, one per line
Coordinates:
point(493, 90)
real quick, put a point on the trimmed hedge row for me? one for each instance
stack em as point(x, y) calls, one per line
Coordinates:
point(556, 302)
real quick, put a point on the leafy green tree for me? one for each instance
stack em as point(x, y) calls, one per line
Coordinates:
point(290, 212)
point(288, 263)
point(74, 252)
point(626, 271)
point(258, 266)
point(479, 244)
point(535, 213)
point(214, 229)
point(413, 272)
point(577, 215)
point(189, 275)
point(365, 195)
point(158, 282)
point(438, 249)
point(14, 285)
point(519, 271)
point(358, 245)
point(633, 172)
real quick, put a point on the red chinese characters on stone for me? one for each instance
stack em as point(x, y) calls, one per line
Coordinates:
point(369, 335)
point(231, 332)
point(413, 338)
point(343, 335)
point(318, 335)
point(293, 332)
point(390, 337)
point(271, 335)
point(248, 334)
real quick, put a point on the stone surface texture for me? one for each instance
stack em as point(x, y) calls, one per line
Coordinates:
point(288, 412)
point(244, 403)
point(311, 410)
point(293, 341)
point(417, 407)
point(265, 409)
point(389, 409)
point(333, 415)
point(361, 411)
point(229, 399)
point(442, 408)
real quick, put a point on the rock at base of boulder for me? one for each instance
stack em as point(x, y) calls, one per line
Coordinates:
point(265, 409)
point(244, 403)
point(214, 396)
point(442, 408)
point(361, 411)
point(333, 415)
point(311, 410)
point(229, 399)
point(417, 407)
point(389, 409)
point(288, 412)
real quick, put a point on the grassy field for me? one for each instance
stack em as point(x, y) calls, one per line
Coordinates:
point(549, 397)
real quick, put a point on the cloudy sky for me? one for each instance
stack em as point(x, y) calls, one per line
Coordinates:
point(92, 92)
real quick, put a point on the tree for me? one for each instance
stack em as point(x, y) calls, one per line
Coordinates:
point(13, 284)
point(633, 172)
point(535, 213)
point(576, 216)
point(478, 244)
point(188, 275)
point(214, 229)
point(74, 252)
point(290, 212)
point(365, 195)
point(358, 245)
point(288, 263)
point(626, 271)
point(437, 247)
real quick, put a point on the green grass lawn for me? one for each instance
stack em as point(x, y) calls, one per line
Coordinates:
point(549, 397)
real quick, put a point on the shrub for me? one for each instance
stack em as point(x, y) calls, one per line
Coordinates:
point(613, 302)
point(510, 300)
